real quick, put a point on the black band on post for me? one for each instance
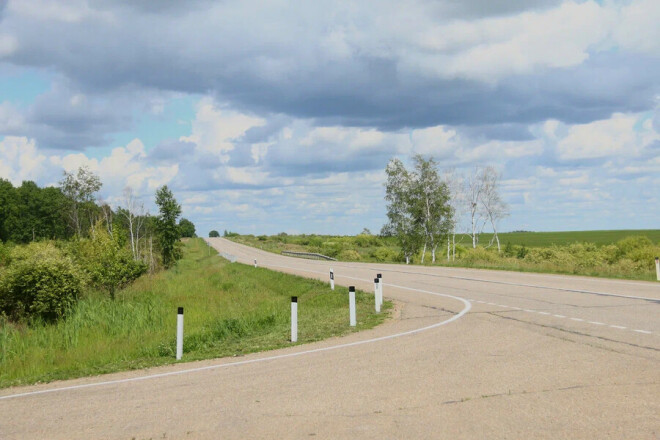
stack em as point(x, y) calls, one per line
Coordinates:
point(376, 280)
point(179, 311)
point(379, 276)
point(294, 299)
point(351, 288)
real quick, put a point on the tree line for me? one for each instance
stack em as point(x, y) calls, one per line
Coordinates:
point(427, 208)
point(58, 241)
point(72, 210)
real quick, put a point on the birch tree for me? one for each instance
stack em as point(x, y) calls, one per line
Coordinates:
point(455, 184)
point(401, 222)
point(134, 214)
point(429, 203)
point(494, 208)
point(474, 187)
point(79, 190)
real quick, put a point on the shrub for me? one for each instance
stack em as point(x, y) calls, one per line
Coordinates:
point(382, 254)
point(41, 282)
point(109, 266)
point(349, 255)
point(214, 233)
point(629, 244)
point(364, 240)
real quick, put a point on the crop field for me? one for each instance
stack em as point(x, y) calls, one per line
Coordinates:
point(229, 309)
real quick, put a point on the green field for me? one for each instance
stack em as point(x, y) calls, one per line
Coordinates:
point(545, 239)
point(230, 309)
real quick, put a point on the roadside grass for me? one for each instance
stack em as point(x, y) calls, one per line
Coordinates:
point(230, 309)
point(624, 254)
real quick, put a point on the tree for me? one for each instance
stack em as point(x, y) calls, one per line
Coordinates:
point(134, 214)
point(79, 190)
point(214, 233)
point(166, 226)
point(187, 228)
point(401, 222)
point(474, 186)
point(455, 185)
point(494, 207)
point(429, 203)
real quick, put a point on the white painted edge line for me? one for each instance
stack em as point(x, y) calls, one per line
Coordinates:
point(459, 315)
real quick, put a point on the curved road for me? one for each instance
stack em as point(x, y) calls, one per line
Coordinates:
point(469, 354)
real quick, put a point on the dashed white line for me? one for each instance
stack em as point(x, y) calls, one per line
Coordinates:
point(646, 332)
point(620, 327)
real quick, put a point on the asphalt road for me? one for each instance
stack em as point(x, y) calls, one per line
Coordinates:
point(468, 354)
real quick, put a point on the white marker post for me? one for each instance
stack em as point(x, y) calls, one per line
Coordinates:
point(255, 262)
point(380, 290)
point(657, 268)
point(294, 319)
point(351, 305)
point(376, 292)
point(332, 280)
point(179, 333)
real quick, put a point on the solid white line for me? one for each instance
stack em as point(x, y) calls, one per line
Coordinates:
point(460, 314)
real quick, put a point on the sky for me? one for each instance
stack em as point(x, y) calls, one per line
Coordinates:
point(281, 116)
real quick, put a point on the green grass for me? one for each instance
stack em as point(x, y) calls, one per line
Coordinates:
point(230, 309)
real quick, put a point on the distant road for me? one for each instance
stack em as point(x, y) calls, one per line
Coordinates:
point(468, 354)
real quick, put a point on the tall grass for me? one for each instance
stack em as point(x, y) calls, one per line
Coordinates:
point(230, 309)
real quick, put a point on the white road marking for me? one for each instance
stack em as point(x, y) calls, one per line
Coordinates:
point(596, 323)
point(577, 319)
point(543, 313)
point(646, 332)
point(559, 316)
point(618, 326)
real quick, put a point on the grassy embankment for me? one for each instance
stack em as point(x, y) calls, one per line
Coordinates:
point(230, 309)
point(625, 254)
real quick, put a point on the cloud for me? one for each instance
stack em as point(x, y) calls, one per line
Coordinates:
point(616, 136)
point(390, 65)
point(20, 160)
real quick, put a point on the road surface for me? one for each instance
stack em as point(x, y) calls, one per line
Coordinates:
point(501, 355)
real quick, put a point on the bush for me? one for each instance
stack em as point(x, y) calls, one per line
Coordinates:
point(109, 266)
point(630, 244)
point(349, 255)
point(41, 282)
point(364, 240)
point(382, 254)
point(214, 233)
